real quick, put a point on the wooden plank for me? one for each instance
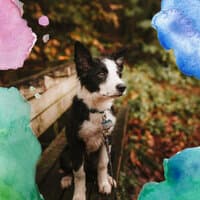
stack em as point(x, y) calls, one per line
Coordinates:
point(38, 75)
point(118, 139)
point(50, 188)
point(43, 121)
point(28, 94)
point(50, 155)
point(48, 177)
point(52, 95)
point(43, 84)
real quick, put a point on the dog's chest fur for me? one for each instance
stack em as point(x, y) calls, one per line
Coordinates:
point(91, 130)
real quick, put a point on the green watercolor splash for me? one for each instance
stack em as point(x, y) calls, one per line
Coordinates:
point(19, 148)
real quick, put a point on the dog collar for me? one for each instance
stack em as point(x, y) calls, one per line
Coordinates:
point(93, 110)
point(106, 123)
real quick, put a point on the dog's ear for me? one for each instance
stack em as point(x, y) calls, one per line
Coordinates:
point(82, 57)
point(119, 57)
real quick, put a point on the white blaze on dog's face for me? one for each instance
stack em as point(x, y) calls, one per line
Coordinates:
point(113, 85)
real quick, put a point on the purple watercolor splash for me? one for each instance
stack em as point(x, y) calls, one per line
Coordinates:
point(16, 38)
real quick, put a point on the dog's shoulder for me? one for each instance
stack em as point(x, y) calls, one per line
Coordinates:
point(79, 110)
point(76, 115)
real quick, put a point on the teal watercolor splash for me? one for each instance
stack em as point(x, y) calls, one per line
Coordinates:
point(182, 178)
point(19, 148)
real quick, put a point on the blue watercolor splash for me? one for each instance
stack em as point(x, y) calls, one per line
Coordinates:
point(182, 178)
point(178, 28)
point(19, 148)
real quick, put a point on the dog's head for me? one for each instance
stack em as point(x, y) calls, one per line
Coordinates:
point(100, 75)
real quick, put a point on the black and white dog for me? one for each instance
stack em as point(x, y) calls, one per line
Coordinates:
point(100, 83)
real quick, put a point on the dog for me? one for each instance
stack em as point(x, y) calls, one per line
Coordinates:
point(91, 116)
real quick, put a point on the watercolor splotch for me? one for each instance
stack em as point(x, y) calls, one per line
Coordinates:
point(178, 28)
point(16, 38)
point(182, 178)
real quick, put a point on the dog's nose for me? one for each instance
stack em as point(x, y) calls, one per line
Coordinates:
point(121, 87)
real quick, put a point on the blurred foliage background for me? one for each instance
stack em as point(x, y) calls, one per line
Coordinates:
point(102, 25)
point(165, 105)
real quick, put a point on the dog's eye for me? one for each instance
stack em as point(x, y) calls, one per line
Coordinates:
point(101, 74)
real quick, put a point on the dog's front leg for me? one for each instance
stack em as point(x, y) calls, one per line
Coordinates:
point(79, 184)
point(105, 182)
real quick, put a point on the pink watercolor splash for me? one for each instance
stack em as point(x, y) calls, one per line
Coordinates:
point(43, 21)
point(16, 38)
point(20, 5)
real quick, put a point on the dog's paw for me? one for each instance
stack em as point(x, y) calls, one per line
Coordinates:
point(79, 197)
point(105, 186)
point(66, 182)
point(112, 181)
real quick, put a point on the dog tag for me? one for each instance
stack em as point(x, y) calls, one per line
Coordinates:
point(107, 124)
